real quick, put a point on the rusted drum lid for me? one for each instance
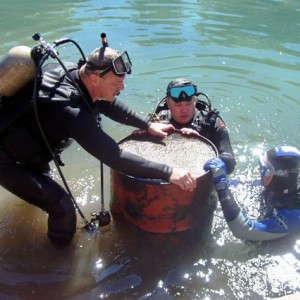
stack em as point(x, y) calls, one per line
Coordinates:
point(155, 205)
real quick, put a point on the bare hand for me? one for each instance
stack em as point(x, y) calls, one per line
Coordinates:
point(139, 131)
point(160, 129)
point(184, 179)
point(189, 131)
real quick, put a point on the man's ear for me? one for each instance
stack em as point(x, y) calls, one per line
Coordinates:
point(94, 79)
point(167, 101)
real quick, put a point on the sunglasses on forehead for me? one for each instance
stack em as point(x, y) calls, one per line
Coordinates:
point(120, 66)
point(182, 93)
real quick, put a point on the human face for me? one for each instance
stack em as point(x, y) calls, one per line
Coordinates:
point(264, 166)
point(183, 111)
point(108, 87)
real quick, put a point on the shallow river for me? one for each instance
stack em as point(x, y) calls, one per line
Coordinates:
point(246, 56)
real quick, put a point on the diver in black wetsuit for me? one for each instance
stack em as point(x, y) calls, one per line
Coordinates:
point(182, 111)
point(279, 170)
point(64, 115)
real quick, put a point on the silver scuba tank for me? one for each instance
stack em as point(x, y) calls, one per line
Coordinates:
point(17, 68)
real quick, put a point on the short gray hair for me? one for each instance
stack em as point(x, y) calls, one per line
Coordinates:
point(101, 58)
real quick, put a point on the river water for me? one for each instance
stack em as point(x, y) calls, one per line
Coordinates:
point(246, 56)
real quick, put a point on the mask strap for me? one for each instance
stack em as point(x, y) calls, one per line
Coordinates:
point(280, 172)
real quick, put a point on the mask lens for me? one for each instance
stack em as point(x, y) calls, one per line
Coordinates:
point(122, 64)
point(262, 166)
point(178, 92)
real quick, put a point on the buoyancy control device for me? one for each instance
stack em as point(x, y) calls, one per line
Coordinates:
point(19, 71)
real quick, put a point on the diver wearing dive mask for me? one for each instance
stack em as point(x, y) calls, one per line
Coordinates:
point(279, 170)
point(68, 109)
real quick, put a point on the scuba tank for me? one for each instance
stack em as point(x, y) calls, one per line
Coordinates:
point(17, 68)
point(20, 72)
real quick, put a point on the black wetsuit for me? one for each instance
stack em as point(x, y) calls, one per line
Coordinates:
point(212, 127)
point(64, 115)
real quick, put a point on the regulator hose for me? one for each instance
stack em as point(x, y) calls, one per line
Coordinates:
point(50, 51)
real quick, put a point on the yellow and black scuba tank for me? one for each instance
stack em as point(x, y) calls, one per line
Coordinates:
point(17, 73)
point(20, 74)
point(17, 68)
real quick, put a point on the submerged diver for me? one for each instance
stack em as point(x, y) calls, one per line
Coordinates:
point(279, 170)
point(183, 112)
point(64, 116)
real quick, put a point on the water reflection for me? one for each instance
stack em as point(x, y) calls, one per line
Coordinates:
point(124, 263)
point(246, 56)
point(44, 17)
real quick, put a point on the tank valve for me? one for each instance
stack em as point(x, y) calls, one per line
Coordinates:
point(48, 48)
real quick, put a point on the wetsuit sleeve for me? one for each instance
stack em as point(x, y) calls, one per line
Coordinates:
point(279, 224)
point(71, 118)
point(121, 113)
point(221, 140)
point(83, 128)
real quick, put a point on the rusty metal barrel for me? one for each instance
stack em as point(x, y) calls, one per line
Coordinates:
point(155, 205)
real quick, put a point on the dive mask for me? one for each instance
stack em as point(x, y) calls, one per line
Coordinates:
point(120, 66)
point(266, 171)
point(182, 93)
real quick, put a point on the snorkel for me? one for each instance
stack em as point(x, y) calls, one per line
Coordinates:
point(120, 66)
point(104, 39)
